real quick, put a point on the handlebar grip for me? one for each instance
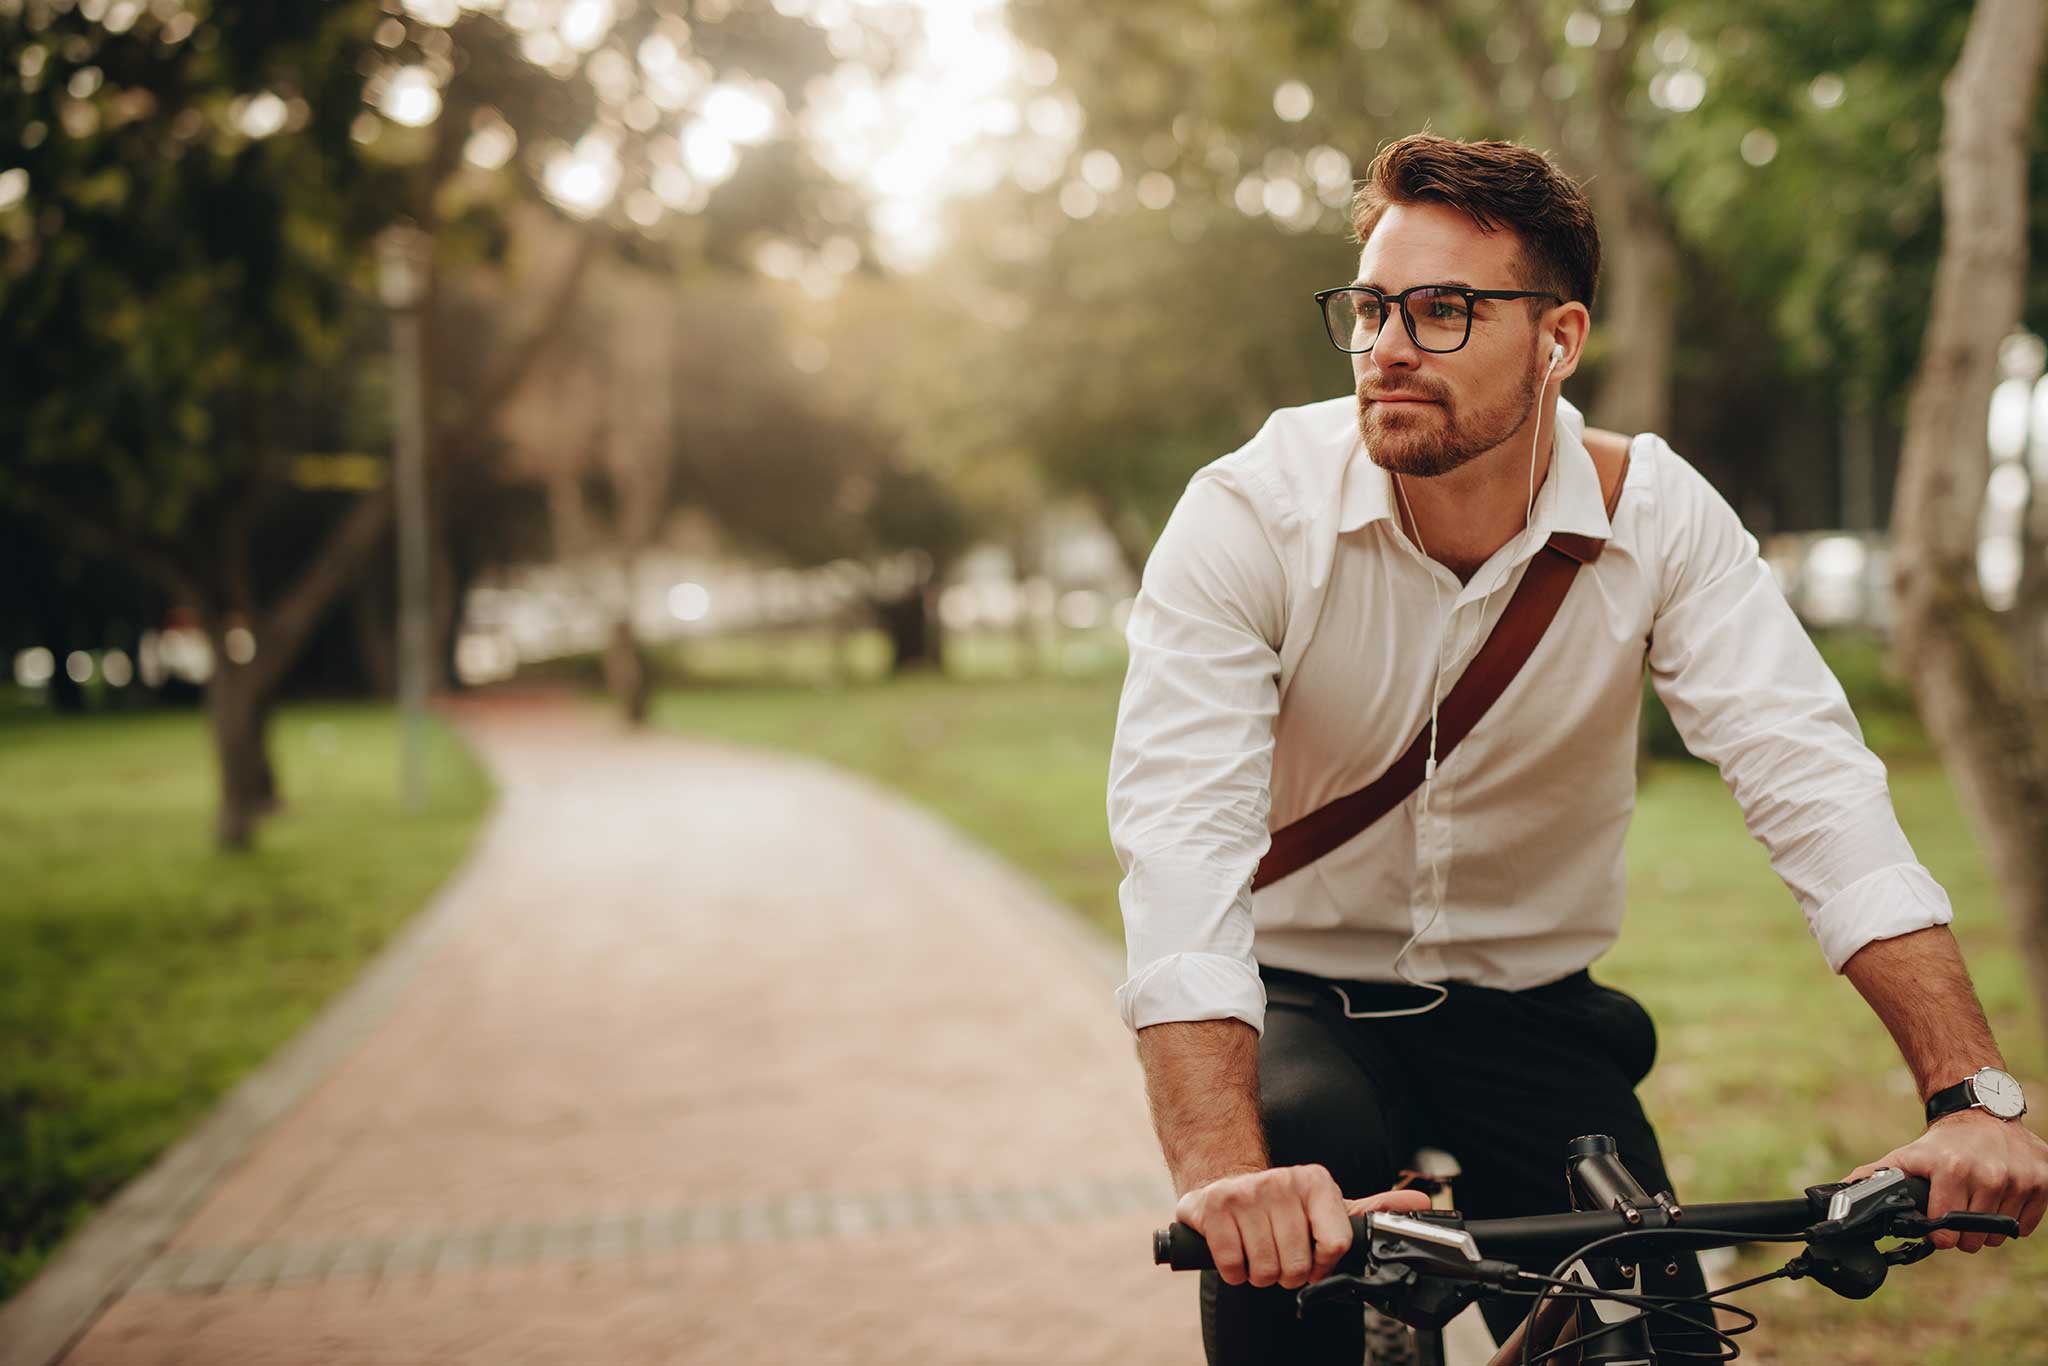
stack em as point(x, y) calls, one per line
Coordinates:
point(1918, 1187)
point(1183, 1249)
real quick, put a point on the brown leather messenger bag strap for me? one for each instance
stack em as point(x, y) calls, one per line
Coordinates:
point(1513, 639)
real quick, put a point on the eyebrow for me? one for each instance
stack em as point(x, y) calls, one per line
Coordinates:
point(1371, 284)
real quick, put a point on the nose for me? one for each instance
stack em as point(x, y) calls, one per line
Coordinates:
point(1394, 349)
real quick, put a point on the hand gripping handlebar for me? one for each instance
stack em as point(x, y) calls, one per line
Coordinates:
point(1887, 1204)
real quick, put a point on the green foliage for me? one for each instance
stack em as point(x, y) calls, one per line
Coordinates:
point(1803, 280)
point(790, 466)
point(1832, 241)
point(144, 975)
point(185, 300)
point(165, 275)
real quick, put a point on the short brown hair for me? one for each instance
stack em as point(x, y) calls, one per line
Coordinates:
point(1500, 185)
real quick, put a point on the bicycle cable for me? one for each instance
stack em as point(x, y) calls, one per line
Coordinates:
point(1666, 1305)
point(1658, 1304)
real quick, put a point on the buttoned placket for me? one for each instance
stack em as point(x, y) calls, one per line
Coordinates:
point(1459, 640)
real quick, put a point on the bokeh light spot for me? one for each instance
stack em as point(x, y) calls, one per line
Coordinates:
point(1293, 101)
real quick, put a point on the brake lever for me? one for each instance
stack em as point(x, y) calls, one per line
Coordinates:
point(1955, 1221)
point(1420, 1271)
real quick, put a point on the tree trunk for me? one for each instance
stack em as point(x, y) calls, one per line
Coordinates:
point(248, 784)
point(911, 623)
point(626, 675)
point(1638, 314)
point(64, 694)
point(1991, 732)
point(444, 612)
point(239, 696)
point(2030, 607)
point(1641, 292)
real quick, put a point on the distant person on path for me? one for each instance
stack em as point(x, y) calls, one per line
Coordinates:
point(1305, 620)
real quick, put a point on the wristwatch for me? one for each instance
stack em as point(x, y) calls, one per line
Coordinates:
point(1987, 1089)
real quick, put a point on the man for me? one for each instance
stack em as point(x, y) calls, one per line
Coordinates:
point(1311, 602)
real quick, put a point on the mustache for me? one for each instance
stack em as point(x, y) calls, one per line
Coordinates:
point(1416, 386)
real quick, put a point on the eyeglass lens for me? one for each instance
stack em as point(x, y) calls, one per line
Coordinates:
point(1438, 319)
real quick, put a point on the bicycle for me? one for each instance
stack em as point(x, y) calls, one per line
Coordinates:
point(1423, 1268)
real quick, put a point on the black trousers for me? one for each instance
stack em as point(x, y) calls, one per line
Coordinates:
point(1502, 1080)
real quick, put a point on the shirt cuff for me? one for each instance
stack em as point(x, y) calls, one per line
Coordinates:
point(1881, 905)
point(1193, 986)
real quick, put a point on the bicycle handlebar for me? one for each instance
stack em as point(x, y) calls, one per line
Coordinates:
point(1537, 1237)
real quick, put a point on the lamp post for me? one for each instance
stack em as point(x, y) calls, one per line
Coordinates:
point(403, 257)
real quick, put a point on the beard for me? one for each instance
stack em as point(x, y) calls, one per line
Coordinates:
point(1426, 440)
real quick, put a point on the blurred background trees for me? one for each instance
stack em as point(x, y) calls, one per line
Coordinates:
point(194, 212)
point(1976, 676)
point(892, 300)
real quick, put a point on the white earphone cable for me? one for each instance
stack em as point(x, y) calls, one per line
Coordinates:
point(1436, 880)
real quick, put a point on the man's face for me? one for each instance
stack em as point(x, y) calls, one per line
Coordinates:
point(1424, 413)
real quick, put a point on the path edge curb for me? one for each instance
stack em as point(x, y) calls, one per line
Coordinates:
point(97, 1264)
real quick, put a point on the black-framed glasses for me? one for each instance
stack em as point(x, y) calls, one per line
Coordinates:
point(1438, 317)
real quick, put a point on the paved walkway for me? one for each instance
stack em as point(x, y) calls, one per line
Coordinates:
point(716, 1056)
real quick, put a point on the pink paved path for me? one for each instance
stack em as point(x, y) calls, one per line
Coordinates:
point(727, 1058)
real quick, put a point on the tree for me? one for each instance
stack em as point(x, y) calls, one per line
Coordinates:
point(1353, 76)
point(814, 470)
point(153, 362)
point(787, 465)
point(1991, 728)
point(189, 231)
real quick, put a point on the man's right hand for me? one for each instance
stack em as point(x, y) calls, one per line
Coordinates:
point(1283, 1226)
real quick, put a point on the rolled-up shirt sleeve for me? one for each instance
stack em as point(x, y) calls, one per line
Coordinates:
point(1749, 692)
point(1189, 769)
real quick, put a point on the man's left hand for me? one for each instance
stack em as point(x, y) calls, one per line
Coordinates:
point(1974, 1161)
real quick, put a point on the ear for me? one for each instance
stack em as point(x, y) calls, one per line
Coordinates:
point(1566, 326)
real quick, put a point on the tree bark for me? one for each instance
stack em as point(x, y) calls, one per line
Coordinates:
point(1992, 733)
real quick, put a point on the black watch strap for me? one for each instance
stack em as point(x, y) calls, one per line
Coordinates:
point(1950, 1099)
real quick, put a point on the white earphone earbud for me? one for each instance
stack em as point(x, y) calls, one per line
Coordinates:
point(1556, 352)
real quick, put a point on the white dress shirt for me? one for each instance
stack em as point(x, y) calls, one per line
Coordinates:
point(1281, 652)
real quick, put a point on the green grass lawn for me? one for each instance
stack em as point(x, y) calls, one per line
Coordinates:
point(1772, 1072)
point(141, 973)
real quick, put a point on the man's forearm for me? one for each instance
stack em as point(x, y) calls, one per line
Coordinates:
point(1202, 1079)
point(1919, 987)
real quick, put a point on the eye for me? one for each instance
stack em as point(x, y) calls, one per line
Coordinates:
point(1441, 305)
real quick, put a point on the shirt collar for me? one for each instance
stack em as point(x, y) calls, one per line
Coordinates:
point(1569, 499)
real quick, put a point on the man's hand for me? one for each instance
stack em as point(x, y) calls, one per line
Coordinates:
point(1282, 1226)
point(1973, 1161)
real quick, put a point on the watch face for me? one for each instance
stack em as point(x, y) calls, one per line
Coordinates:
point(1999, 1093)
